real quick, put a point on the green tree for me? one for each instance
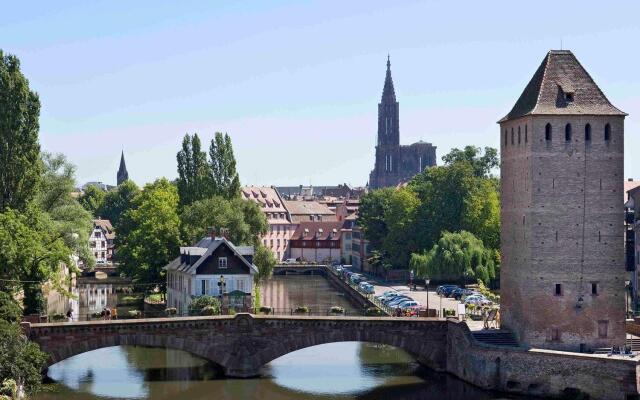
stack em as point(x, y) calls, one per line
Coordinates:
point(243, 219)
point(91, 200)
point(193, 171)
point(20, 359)
point(482, 213)
point(265, 261)
point(117, 202)
point(224, 179)
point(371, 216)
point(20, 166)
point(152, 237)
point(481, 164)
point(457, 256)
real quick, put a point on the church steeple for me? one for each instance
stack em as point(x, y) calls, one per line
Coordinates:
point(123, 175)
point(388, 93)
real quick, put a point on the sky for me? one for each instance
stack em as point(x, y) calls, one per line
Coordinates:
point(296, 83)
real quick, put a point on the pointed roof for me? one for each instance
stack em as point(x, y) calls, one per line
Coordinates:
point(122, 175)
point(123, 166)
point(388, 93)
point(561, 86)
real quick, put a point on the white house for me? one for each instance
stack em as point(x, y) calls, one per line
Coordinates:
point(215, 267)
point(101, 241)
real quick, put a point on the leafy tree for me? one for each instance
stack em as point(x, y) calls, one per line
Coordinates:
point(265, 261)
point(224, 180)
point(152, 235)
point(482, 213)
point(456, 256)
point(481, 164)
point(118, 201)
point(371, 216)
point(193, 171)
point(20, 166)
point(20, 360)
point(92, 199)
point(243, 219)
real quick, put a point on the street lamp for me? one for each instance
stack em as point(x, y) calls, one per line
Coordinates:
point(426, 285)
point(221, 285)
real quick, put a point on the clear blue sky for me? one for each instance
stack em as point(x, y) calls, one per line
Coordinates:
point(296, 84)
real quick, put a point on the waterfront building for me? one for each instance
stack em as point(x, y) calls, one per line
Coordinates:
point(317, 241)
point(562, 271)
point(632, 244)
point(278, 217)
point(214, 267)
point(122, 174)
point(101, 241)
point(303, 211)
point(396, 163)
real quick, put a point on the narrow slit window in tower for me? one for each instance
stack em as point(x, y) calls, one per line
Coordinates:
point(547, 132)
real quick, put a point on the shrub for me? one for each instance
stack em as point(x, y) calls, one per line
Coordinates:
point(373, 312)
point(336, 310)
point(9, 389)
point(449, 312)
point(135, 313)
point(232, 311)
point(97, 314)
point(199, 303)
point(58, 317)
point(210, 310)
point(171, 311)
point(301, 310)
point(265, 310)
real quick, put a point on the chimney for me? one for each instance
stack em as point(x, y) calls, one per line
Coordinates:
point(630, 179)
point(212, 232)
point(224, 232)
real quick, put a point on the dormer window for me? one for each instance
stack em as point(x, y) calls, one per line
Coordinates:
point(222, 262)
point(568, 97)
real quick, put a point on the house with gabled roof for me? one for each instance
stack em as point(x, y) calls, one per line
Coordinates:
point(215, 267)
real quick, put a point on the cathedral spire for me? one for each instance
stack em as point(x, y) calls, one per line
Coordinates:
point(388, 93)
point(123, 175)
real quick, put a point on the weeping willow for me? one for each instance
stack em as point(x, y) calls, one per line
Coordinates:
point(457, 256)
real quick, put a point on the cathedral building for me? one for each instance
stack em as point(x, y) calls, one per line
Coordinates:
point(395, 163)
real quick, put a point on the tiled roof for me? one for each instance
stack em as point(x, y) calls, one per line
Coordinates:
point(267, 197)
point(205, 247)
point(559, 74)
point(106, 227)
point(318, 230)
point(307, 208)
point(629, 185)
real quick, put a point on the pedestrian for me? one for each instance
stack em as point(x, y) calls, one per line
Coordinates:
point(114, 313)
point(108, 313)
point(398, 312)
point(70, 315)
point(104, 313)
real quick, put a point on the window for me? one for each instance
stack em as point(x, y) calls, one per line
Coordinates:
point(203, 287)
point(594, 288)
point(104, 244)
point(568, 97)
point(518, 135)
point(103, 254)
point(97, 234)
point(587, 133)
point(512, 141)
point(555, 334)
point(558, 291)
point(526, 134)
point(607, 132)
point(547, 132)
point(567, 133)
point(222, 262)
point(506, 137)
point(271, 242)
point(603, 329)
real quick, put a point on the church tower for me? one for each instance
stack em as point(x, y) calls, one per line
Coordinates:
point(123, 175)
point(386, 170)
point(562, 271)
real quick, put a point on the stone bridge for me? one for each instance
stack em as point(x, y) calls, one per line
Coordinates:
point(243, 343)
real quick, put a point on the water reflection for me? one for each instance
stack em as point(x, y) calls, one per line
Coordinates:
point(345, 370)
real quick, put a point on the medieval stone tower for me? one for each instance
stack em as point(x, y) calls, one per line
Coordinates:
point(395, 163)
point(563, 274)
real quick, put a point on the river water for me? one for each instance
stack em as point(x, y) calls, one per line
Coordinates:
point(346, 370)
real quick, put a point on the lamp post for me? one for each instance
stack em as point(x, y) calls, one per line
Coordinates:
point(426, 285)
point(221, 288)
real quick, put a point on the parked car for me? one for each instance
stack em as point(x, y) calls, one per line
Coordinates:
point(440, 289)
point(448, 291)
point(461, 293)
point(408, 304)
point(356, 278)
point(394, 298)
point(385, 294)
point(478, 300)
point(366, 287)
point(395, 302)
point(290, 261)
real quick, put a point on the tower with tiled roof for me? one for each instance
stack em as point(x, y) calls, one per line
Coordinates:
point(562, 270)
point(123, 175)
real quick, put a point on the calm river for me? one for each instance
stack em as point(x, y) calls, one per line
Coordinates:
point(346, 370)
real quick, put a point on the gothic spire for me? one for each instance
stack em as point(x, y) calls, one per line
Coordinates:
point(388, 93)
point(123, 175)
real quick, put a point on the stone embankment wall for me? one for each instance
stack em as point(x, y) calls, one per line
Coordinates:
point(540, 372)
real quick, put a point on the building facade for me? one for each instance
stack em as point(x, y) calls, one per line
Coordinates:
point(278, 217)
point(317, 241)
point(101, 241)
point(213, 267)
point(303, 211)
point(394, 163)
point(562, 271)
point(632, 244)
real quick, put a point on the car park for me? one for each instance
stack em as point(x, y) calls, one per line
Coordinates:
point(460, 293)
point(395, 298)
point(398, 300)
point(385, 294)
point(478, 300)
point(366, 287)
point(408, 304)
point(446, 292)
